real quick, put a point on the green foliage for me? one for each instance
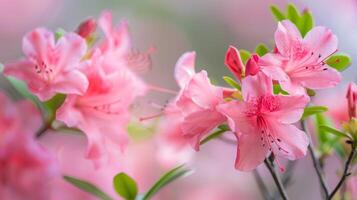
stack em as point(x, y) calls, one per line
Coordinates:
point(279, 16)
point(139, 131)
point(261, 49)
point(327, 141)
point(334, 132)
point(310, 92)
point(87, 187)
point(244, 55)
point(232, 82)
point(212, 136)
point(125, 186)
point(339, 61)
point(303, 20)
point(313, 110)
point(165, 180)
point(52, 105)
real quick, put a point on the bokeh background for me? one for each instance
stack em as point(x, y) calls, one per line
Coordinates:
point(174, 27)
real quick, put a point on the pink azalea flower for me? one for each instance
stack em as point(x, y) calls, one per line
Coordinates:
point(25, 167)
point(118, 44)
point(50, 67)
point(102, 113)
point(299, 62)
point(352, 100)
point(197, 100)
point(262, 123)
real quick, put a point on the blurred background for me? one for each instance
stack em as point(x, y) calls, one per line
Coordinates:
point(174, 27)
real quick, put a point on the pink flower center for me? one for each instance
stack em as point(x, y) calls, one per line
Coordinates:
point(44, 70)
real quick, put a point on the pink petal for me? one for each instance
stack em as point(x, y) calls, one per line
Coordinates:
point(270, 64)
point(321, 41)
point(234, 62)
point(199, 124)
point(318, 79)
point(105, 22)
point(236, 113)
point(287, 36)
point(290, 108)
point(69, 114)
point(293, 88)
point(72, 82)
point(255, 86)
point(70, 49)
point(250, 152)
point(293, 143)
point(25, 70)
point(202, 92)
point(38, 44)
point(185, 68)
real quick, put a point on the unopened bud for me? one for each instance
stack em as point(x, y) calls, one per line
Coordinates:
point(86, 28)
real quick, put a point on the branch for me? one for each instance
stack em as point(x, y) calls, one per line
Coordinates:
point(346, 172)
point(276, 180)
point(316, 164)
point(262, 187)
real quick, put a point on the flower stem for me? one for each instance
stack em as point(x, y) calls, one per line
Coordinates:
point(346, 170)
point(277, 180)
point(316, 164)
point(262, 187)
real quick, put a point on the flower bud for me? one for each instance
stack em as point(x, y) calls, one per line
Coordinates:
point(86, 28)
point(252, 67)
point(234, 62)
point(352, 100)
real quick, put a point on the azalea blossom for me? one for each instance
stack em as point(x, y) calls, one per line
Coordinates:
point(102, 112)
point(300, 62)
point(197, 100)
point(50, 67)
point(26, 168)
point(118, 44)
point(263, 123)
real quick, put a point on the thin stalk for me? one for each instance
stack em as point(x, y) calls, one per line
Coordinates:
point(346, 171)
point(316, 164)
point(277, 180)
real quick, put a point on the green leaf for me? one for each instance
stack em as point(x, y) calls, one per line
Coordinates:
point(166, 179)
point(293, 14)
point(87, 187)
point(231, 82)
point(339, 61)
point(224, 127)
point(279, 16)
point(326, 141)
point(334, 131)
point(212, 136)
point(306, 22)
point(313, 110)
point(278, 90)
point(125, 186)
point(244, 55)
point(261, 49)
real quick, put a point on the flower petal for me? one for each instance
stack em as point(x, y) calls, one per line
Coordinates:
point(293, 141)
point(287, 36)
point(318, 79)
point(290, 108)
point(200, 123)
point(255, 86)
point(185, 68)
point(234, 62)
point(202, 92)
point(250, 152)
point(73, 82)
point(38, 43)
point(321, 41)
point(70, 49)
